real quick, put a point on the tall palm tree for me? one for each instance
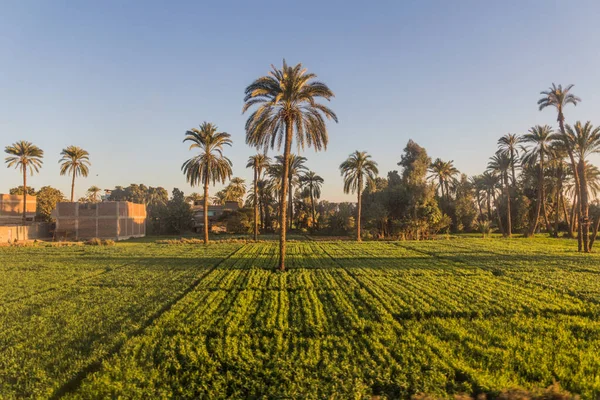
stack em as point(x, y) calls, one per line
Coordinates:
point(24, 155)
point(210, 164)
point(507, 144)
point(540, 138)
point(75, 161)
point(258, 162)
point(477, 184)
point(313, 183)
point(445, 173)
point(584, 140)
point(500, 164)
point(559, 97)
point(358, 169)
point(287, 106)
point(94, 193)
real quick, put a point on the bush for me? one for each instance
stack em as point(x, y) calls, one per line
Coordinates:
point(100, 242)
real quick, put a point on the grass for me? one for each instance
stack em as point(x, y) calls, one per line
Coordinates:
point(348, 320)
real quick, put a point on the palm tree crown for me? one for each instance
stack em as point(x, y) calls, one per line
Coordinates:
point(558, 97)
point(286, 98)
point(210, 165)
point(357, 170)
point(24, 155)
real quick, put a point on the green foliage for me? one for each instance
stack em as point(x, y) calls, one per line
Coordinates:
point(178, 216)
point(19, 191)
point(47, 197)
point(348, 320)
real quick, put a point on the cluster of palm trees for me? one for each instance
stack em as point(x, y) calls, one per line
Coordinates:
point(27, 157)
point(304, 185)
point(555, 164)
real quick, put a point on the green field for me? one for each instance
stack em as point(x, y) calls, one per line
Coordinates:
point(348, 320)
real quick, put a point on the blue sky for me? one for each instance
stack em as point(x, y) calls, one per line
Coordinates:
point(126, 79)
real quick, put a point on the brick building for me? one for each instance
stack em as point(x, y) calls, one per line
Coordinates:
point(11, 209)
point(107, 220)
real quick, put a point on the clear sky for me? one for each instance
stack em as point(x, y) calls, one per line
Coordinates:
point(126, 79)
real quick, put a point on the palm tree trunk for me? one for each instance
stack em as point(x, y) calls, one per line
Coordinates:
point(73, 187)
point(508, 216)
point(561, 125)
point(284, 192)
point(206, 207)
point(290, 200)
point(557, 207)
point(512, 165)
point(255, 203)
point(566, 213)
point(312, 202)
point(489, 207)
point(573, 214)
point(594, 233)
point(498, 214)
point(358, 211)
point(584, 207)
point(540, 194)
point(477, 195)
point(24, 194)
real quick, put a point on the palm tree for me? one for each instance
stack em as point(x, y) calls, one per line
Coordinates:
point(24, 155)
point(94, 193)
point(358, 170)
point(287, 106)
point(559, 98)
point(489, 183)
point(584, 140)
point(445, 173)
point(507, 144)
point(313, 183)
point(258, 163)
point(540, 138)
point(75, 161)
point(210, 164)
point(477, 184)
point(500, 164)
point(236, 190)
point(194, 198)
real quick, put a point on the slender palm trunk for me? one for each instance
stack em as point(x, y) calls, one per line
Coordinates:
point(561, 125)
point(540, 197)
point(206, 207)
point(73, 187)
point(498, 214)
point(584, 207)
point(594, 233)
point(557, 207)
point(478, 198)
point(255, 203)
point(359, 210)
point(489, 207)
point(574, 208)
point(508, 216)
point(312, 202)
point(512, 166)
point(566, 213)
point(284, 192)
point(24, 194)
point(290, 200)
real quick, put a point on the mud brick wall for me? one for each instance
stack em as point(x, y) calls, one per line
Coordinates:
point(106, 220)
point(11, 207)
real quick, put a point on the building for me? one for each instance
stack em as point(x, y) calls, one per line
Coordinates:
point(11, 209)
point(116, 220)
point(214, 212)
